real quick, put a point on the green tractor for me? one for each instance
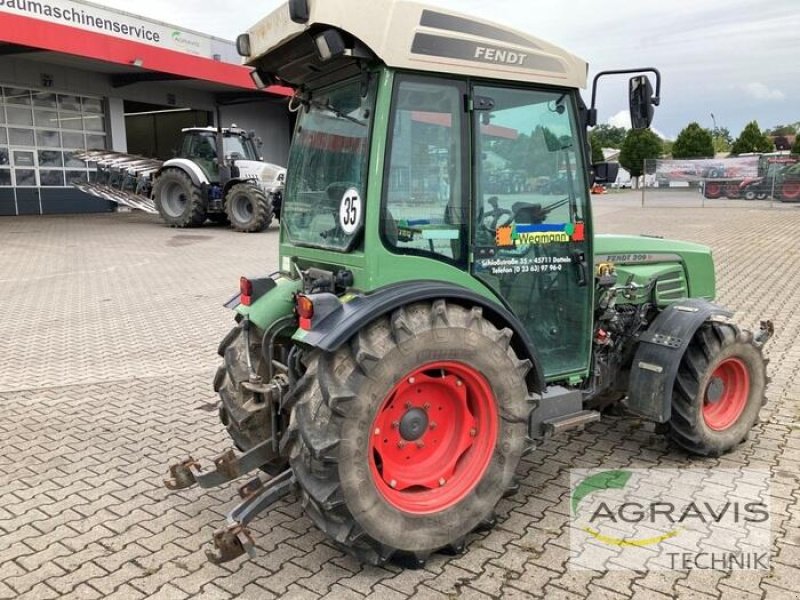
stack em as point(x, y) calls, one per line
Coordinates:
point(428, 327)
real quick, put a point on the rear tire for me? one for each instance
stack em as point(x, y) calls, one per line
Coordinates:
point(248, 208)
point(712, 190)
point(179, 202)
point(341, 446)
point(719, 390)
point(243, 413)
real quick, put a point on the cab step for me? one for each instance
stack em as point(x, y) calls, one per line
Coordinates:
point(569, 422)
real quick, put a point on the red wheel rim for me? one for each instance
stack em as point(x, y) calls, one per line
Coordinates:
point(713, 190)
point(433, 437)
point(726, 394)
point(732, 191)
point(791, 189)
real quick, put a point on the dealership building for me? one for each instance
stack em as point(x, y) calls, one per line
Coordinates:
point(77, 76)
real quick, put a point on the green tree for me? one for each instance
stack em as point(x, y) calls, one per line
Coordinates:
point(790, 129)
point(752, 140)
point(639, 145)
point(597, 150)
point(608, 136)
point(796, 147)
point(722, 139)
point(693, 142)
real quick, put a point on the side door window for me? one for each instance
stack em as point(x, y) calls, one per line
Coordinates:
point(531, 243)
point(425, 205)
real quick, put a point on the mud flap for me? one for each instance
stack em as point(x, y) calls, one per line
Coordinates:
point(661, 348)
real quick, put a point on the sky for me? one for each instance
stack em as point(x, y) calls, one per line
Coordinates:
point(736, 59)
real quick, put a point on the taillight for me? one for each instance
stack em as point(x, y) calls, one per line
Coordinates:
point(245, 291)
point(305, 311)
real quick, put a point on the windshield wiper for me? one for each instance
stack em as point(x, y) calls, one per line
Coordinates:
point(338, 113)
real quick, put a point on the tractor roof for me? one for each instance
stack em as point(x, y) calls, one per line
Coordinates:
point(408, 35)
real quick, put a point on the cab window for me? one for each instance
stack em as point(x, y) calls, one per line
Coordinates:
point(424, 209)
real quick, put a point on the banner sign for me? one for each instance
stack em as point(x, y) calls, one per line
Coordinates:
point(706, 168)
point(108, 22)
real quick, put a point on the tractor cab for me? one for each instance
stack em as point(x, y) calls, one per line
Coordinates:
point(212, 149)
point(451, 150)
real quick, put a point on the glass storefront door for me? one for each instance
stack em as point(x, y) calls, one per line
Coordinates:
point(40, 131)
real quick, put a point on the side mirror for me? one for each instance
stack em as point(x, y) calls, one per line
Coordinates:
point(642, 99)
point(605, 172)
point(641, 102)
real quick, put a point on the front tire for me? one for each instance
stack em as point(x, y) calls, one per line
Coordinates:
point(790, 191)
point(179, 202)
point(719, 390)
point(404, 441)
point(248, 208)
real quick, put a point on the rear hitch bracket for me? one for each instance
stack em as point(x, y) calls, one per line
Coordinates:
point(235, 539)
point(227, 467)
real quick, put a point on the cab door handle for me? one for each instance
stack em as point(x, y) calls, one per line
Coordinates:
point(579, 263)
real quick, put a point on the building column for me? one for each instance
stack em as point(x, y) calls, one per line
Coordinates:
point(116, 121)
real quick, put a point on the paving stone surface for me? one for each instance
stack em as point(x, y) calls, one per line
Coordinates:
point(108, 345)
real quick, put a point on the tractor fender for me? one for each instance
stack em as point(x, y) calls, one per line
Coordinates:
point(335, 322)
point(661, 348)
point(187, 166)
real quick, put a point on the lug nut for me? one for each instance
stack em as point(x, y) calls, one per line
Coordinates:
point(377, 431)
point(426, 406)
point(420, 444)
point(409, 406)
point(392, 484)
point(401, 444)
point(459, 383)
point(442, 481)
point(395, 424)
point(433, 425)
point(473, 432)
point(411, 380)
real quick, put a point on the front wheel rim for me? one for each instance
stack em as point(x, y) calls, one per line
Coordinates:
point(433, 437)
point(174, 199)
point(242, 208)
point(726, 394)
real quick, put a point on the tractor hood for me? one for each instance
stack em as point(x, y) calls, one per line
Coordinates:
point(632, 250)
point(267, 174)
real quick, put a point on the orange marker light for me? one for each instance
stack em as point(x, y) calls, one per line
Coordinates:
point(245, 291)
point(305, 311)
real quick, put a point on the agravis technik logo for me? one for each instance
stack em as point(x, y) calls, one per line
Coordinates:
point(670, 519)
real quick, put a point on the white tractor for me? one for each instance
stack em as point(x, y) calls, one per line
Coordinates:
point(217, 174)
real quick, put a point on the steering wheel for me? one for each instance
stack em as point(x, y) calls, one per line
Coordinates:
point(490, 220)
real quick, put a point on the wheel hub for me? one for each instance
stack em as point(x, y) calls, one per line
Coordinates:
point(715, 391)
point(433, 437)
point(413, 424)
point(726, 394)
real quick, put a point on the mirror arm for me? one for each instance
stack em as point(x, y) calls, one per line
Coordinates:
point(656, 100)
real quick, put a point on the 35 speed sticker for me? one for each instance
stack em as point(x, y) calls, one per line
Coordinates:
point(351, 211)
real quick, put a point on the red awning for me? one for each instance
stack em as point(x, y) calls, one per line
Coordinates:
point(36, 33)
point(445, 120)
